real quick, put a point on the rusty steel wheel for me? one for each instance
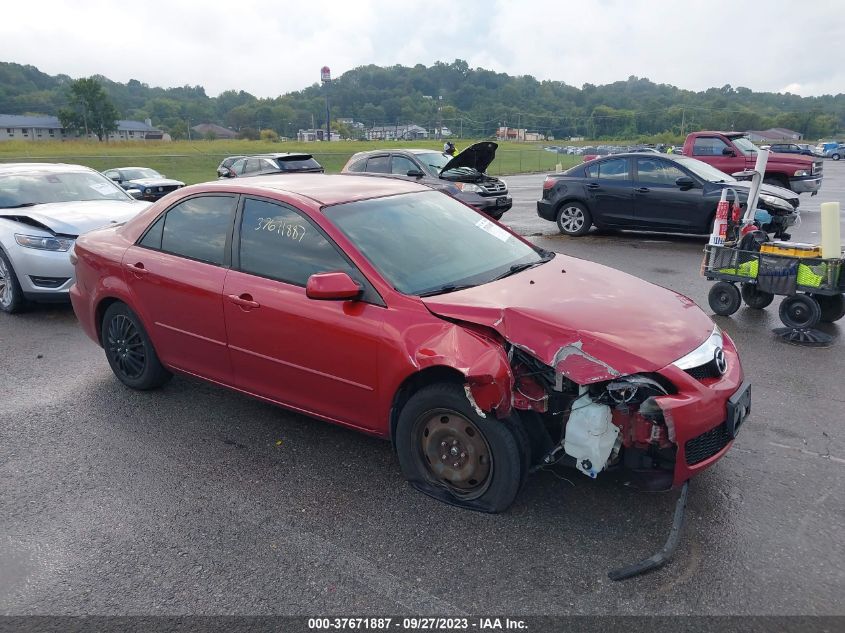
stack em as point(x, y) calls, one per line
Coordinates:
point(455, 452)
point(449, 450)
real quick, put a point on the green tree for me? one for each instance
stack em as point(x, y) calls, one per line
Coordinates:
point(89, 109)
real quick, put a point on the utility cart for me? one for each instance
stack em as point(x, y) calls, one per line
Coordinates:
point(813, 286)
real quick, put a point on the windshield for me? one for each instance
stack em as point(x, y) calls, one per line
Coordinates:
point(434, 161)
point(41, 188)
point(705, 171)
point(139, 174)
point(745, 146)
point(427, 243)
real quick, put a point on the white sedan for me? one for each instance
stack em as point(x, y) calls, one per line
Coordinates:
point(44, 207)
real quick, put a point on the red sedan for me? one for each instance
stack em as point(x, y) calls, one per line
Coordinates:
point(384, 306)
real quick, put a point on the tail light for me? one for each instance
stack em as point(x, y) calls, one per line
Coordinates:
point(548, 183)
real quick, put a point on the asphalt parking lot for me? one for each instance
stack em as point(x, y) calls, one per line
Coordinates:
point(197, 500)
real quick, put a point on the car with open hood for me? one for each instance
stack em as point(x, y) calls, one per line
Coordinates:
point(462, 176)
point(43, 208)
point(480, 359)
point(142, 182)
point(654, 192)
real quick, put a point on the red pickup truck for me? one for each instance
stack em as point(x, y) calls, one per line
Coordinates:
point(732, 152)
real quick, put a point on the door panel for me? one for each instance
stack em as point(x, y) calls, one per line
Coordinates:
point(317, 356)
point(660, 203)
point(180, 302)
point(609, 189)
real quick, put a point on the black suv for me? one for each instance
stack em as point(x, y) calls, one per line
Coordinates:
point(461, 176)
point(270, 164)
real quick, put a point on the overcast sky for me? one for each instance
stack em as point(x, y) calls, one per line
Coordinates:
point(269, 48)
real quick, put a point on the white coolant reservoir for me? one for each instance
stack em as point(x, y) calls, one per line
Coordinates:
point(590, 435)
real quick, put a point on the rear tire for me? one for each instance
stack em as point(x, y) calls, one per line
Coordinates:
point(451, 453)
point(724, 298)
point(11, 294)
point(835, 156)
point(129, 350)
point(754, 298)
point(832, 307)
point(574, 219)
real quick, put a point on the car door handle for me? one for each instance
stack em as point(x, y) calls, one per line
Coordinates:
point(643, 189)
point(592, 185)
point(244, 301)
point(138, 269)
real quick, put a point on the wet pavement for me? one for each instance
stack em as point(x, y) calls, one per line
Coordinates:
point(196, 500)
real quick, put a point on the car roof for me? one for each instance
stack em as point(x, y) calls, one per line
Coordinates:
point(323, 189)
point(393, 150)
point(118, 168)
point(280, 155)
point(47, 168)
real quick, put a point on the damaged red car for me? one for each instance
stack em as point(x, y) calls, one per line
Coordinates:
point(395, 310)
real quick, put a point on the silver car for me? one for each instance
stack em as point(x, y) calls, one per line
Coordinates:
point(44, 207)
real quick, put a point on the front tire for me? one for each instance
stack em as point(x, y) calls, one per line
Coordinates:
point(800, 312)
point(11, 294)
point(724, 298)
point(574, 219)
point(451, 453)
point(129, 350)
point(835, 156)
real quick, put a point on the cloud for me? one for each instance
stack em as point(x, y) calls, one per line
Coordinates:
point(269, 48)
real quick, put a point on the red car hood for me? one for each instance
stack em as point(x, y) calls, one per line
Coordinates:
point(591, 322)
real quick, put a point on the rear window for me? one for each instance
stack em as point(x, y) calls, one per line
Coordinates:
point(297, 163)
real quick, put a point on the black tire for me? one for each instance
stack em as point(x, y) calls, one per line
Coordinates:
point(11, 294)
point(129, 350)
point(832, 307)
point(574, 219)
point(491, 461)
point(800, 311)
point(724, 298)
point(754, 298)
point(835, 156)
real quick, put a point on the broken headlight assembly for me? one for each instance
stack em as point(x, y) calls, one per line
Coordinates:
point(633, 390)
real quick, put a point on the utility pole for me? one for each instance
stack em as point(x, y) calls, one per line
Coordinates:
point(462, 128)
point(683, 120)
point(326, 78)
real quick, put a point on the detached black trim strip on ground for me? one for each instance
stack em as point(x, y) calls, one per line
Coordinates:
point(662, 557)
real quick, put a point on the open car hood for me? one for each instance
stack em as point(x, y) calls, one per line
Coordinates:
point(591, 323)
point(478, 157)
point(75, 218)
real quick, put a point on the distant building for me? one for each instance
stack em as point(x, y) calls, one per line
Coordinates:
point(518, 134)
point(773, 135)
point(205, 130)
point(47, 128)
point(312, 135)
point(410, 132)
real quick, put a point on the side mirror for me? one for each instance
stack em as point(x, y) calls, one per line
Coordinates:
point(135, 193)
point(685, 182)
point(727, 151)
point(415, 173)
point(332, 287)
point(115, 178)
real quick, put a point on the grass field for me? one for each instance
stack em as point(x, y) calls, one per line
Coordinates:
point(196, 161)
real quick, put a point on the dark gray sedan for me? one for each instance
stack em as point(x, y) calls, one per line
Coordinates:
point(462, 176)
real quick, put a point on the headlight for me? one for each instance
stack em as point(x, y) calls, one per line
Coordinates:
point(148, 190)
point(633, 389)
point(468, 187)
point(774, 201)
point(802, 172)
point(44, 243)
point(704, 353)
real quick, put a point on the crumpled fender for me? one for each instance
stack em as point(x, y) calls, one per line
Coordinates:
point(482, 360)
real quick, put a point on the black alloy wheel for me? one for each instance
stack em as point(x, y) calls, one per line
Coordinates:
point(129, 350)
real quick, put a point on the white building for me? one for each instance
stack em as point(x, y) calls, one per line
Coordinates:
point(410, 132)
